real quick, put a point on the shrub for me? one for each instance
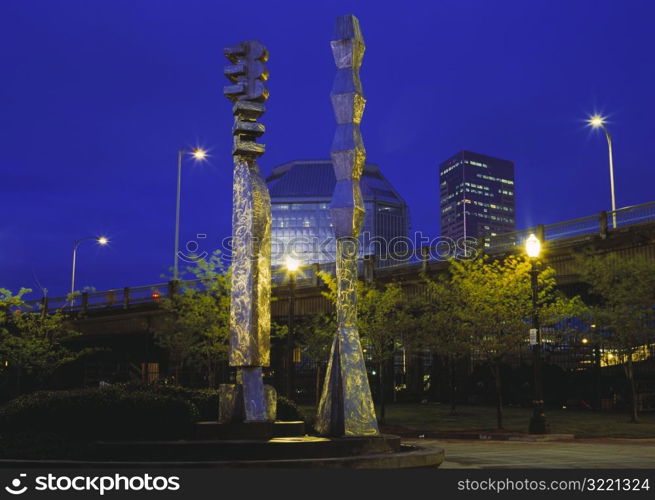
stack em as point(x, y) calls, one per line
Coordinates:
point(117, 412)
point(288, 410)
point(206, 400)
point(100, 413)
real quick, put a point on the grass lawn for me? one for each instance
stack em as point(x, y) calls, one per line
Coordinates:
point(434, 417)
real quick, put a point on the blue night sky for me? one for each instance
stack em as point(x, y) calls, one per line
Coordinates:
point(97, 97)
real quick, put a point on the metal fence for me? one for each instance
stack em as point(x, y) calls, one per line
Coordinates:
point(600, 224)
point(630, 216)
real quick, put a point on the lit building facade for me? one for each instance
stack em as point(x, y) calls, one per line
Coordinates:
point(477, 197)
point(301, 192)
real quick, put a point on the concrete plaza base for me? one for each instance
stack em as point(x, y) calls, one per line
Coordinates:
point(383, 451)
point(409, 457)
point(252, 444)
point(249, 430)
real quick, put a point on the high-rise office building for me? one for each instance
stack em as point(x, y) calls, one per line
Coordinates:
point(477, 197)
point(301, 192)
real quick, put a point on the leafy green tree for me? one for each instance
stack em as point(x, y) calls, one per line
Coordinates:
point(493, 304)
point(624, 309)
point(196, 329)
point(314, 336)
point(439, 329)
point(8, 303)
point(382, 320)
point(34, 343)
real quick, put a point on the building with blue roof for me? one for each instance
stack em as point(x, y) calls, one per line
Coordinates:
point(301, 191)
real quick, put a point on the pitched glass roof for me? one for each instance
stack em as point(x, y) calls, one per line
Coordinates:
point(316, 179)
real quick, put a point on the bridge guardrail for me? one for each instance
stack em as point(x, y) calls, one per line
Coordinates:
point(599, 224)
point(630, 216)
point(553, 234)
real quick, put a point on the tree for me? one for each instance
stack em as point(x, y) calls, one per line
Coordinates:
point(195, 332)
point(624, 309)
point(35, 343)
point(492, 303)
point(315, 335)
point(439, 329)
point(381, 317)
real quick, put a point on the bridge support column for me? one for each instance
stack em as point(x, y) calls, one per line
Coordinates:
point(602, 219)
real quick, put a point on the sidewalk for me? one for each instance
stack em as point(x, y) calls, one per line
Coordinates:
point(484, 434)
point(602, 453)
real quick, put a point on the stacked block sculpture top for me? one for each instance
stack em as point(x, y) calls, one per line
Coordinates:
point(346, 407)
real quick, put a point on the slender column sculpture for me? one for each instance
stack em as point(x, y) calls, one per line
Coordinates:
point(346, 407)
point(250, 315)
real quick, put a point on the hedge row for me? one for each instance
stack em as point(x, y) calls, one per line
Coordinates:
point(126, 412)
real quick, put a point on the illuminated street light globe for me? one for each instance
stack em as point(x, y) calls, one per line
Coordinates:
point(102, 240)
point(199, 154)
point(292, 264)
point(533, 246)
point(596, 121)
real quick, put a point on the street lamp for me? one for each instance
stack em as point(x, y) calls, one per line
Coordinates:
point(292, 265)
point(597, 121)
point(538, 423)
point(101, 240)
point(198, 154)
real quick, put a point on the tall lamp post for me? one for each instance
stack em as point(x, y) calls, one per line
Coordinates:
point(597, 121)
point(198, 154)
point(101, 240)
point(292, 266)
point(538, 424)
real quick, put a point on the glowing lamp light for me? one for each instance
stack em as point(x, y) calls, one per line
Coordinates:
point(596, 121)
point(533, 246)
point(292, 264)
point(103, 240)
point(199, 154)
point(584, 341)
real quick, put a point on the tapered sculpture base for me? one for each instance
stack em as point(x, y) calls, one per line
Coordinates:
point(249, 400)
point(346, 407)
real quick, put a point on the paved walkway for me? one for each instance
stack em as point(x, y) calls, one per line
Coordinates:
point(604, 453)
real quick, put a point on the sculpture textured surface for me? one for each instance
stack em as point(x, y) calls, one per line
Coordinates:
point(250, 314)
point(346, 407)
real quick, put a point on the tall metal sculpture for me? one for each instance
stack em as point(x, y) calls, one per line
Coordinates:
point(346, 407)
point(249, 400)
